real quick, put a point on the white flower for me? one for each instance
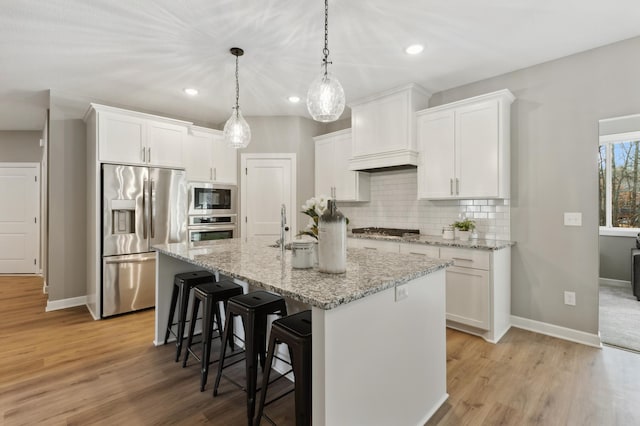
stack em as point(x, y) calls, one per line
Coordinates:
point(321, 205)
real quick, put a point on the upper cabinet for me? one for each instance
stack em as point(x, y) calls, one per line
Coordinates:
point(464, 148)
point(333, 151)
point(207, 157)
point(384, 128)
point(128, 137)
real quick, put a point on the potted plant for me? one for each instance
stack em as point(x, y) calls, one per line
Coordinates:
point(464, 228)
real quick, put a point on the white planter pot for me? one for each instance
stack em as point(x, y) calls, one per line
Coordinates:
point(462, 235)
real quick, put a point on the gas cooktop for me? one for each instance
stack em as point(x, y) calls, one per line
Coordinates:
point(392, 232)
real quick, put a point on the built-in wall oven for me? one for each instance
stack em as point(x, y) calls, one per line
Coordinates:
point(208, 228)
point(210, 199)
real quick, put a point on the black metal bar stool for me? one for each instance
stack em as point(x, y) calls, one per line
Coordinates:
point(211, 295)
point(253, 308)
point(182, 285)
point(295, 332)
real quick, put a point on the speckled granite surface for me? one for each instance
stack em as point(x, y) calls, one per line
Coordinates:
point(253, 261)
point(435, 240)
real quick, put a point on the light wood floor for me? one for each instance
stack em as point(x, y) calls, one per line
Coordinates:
point(64, 368)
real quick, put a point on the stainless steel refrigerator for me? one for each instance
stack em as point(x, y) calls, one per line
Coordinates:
point(142, 206)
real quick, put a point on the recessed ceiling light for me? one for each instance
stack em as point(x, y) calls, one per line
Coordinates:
point(414, 49)
point(294, 99)
point(190, 91)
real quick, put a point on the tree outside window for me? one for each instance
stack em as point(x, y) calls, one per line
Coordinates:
point(619, 177)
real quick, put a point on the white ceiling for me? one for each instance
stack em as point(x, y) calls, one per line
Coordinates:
point(142, 53)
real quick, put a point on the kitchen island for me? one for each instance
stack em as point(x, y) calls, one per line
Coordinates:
point(379, 348)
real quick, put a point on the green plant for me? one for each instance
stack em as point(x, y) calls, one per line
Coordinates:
point(465, 225)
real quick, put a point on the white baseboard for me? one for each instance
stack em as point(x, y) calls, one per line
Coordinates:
point(569, 334)
point(55, 305)
point(614, 283)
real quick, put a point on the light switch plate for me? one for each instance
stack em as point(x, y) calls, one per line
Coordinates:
point(573, 219)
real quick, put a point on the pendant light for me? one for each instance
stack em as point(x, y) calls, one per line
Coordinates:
point(325, 98)
point(236, 130)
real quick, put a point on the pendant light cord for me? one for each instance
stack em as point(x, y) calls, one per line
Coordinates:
point(325, 51)
point(237, 89)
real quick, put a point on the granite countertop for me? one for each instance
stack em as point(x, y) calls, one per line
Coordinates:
point(255, 262)
point(436, 240)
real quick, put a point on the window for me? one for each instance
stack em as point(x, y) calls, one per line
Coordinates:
point(619, 179)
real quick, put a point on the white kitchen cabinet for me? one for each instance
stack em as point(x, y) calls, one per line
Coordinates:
point(479, 291)
point(208, 159)
point(369, 244)
point(384, 128)
point(129, 137)
point(420, 250)
point(332, 153)
point(464, 148)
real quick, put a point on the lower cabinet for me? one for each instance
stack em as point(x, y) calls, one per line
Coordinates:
point(468, 300)
point(478, 284)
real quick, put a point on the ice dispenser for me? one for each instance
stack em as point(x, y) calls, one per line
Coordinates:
point(124, 216)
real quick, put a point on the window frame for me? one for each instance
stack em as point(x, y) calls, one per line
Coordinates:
point(609, 141)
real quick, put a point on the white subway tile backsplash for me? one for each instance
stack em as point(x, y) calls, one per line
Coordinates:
point(394, 204)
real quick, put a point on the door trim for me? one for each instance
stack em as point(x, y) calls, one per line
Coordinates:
point(291, 216)
point(36, 166)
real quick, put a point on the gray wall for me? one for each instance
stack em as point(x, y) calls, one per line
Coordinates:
point(284, 134)
point(67, 203)
point(615, 257)
point(554, 131)
point(20, 146)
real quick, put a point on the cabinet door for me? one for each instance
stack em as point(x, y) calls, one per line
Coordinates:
point(198, 157)
point(346, 181)
point(164, 142)
point(436, 165)
point(324, 167)
point(225, 161)
point(122, 138)
point(477, 150)
point(468, 296)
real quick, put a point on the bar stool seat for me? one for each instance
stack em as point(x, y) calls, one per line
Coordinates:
point(182, 285)
point(211, 295)
point(253, 308)
point(295, 331)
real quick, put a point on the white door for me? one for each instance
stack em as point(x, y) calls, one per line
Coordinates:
point(267, 182)
point(19, 218)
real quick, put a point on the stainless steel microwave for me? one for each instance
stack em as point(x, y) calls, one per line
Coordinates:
point(212, 199)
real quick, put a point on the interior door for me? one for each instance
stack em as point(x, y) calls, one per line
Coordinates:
point(268, 182)
point(19, 219)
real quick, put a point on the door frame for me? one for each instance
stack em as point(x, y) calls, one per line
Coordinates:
point(37, 236)
point(291, 216)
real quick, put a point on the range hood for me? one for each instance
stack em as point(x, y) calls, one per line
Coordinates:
point(384, 129)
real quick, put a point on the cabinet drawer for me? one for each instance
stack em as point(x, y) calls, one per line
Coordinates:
point(388, 246)
point(467, 258)
point(420, 250)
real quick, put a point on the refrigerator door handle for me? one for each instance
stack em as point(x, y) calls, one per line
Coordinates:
point(144, 209)
point(152, 213)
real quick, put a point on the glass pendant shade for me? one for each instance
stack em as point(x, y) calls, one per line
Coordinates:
point(236, 130)
point(325, 98)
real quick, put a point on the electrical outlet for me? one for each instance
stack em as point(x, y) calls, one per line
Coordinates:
point(570, 298)
point(402, 292)
point(573, 219)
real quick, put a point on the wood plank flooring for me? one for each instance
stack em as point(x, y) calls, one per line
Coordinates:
point(62, 367)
